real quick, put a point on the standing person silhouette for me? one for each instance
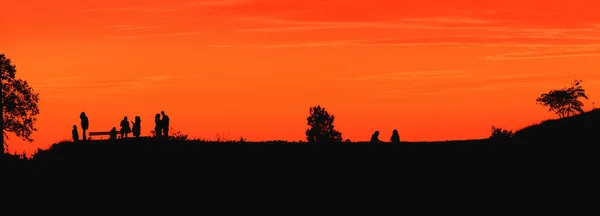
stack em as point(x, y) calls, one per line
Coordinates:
point(75, 133)
point(395, 137)
point(84, 124)
point(137, 127)
point(158, 126)
point(125, 129)
point(165, 125)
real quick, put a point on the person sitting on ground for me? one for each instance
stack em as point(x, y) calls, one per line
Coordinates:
point(113, 134)
point(125, 129)
point(375, 138)
point(75, 133)
point(395, 137)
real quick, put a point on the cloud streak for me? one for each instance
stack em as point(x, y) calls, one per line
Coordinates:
point(557, 52)
point(74, 84)
point(442, 82)
point(154, 8)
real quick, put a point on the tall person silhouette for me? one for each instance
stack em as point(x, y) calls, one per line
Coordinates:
point(125, 129)
point(75, 133)
point(137, 128)
point(157, 126)
point(165, 125)
point(84, 124)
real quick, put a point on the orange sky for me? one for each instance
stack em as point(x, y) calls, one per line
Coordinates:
point(434, 70)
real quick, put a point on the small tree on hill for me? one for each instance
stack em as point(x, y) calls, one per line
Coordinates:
point(321, 127)
point(564, 102)
point(19, 104)
point(499, 134)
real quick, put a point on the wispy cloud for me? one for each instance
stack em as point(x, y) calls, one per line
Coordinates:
point(139, 8)
point(167, 7)
point(74, 84)
point(128, 27)
point(410, 75)
point(121, 37)
point(206, 3)
point(444, 82)
point(139, 35)
point(405, 23)
point(556, 52)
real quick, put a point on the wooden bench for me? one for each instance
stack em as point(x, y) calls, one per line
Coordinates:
point(103, 133)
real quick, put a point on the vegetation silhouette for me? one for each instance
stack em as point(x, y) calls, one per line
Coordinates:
point(19, 105)
point(564, 102)
point(321, 128)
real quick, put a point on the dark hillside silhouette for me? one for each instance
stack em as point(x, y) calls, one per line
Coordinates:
point(582, 129)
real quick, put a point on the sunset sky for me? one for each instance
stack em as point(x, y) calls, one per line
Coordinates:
point(434, 70)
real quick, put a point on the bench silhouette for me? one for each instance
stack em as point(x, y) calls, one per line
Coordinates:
point(104, 133)
point(101, 133)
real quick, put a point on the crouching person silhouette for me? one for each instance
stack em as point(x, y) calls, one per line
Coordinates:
point(375, 138)
point(395, 137)
point(113, 134)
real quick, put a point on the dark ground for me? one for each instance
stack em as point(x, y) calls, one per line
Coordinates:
point(565, 148)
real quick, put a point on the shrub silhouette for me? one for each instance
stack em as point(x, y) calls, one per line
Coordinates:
point(321, 127)
point(498, 134)
point(19, 104)
point(174, 135)
point(564, 102)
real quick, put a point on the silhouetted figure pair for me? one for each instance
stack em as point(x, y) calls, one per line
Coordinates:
point(394, 139)
point(161, 127)
point(125, 129)
point(75, 133)
point(84, 124)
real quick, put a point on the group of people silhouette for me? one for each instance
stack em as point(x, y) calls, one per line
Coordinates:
point(161, 128)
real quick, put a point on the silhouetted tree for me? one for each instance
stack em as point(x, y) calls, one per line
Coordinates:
point(498, 134)
point(564, 102)
point(19, 104)
point(321, 127)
